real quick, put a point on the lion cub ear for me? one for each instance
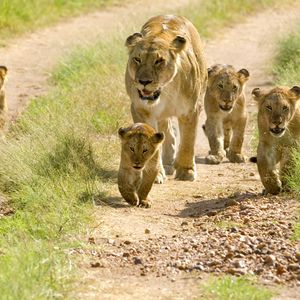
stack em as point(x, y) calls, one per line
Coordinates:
point(132, 40)
point(122, 132)
point(256, 93)
point(243, 74)
point(3, 71)
point(158, 138)
point(296, 91)
point(178, 43)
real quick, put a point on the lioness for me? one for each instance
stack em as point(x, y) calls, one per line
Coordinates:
point(279, 132)
point(139, 164)
point(166, 76)
point(3, 106)
point(225, 109)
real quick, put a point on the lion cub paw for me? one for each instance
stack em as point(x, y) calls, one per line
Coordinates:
point(235, 157)
point(185, 174)
point(160, 178)
point(213, 159)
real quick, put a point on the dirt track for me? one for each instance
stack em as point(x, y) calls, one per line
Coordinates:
point(142, 248)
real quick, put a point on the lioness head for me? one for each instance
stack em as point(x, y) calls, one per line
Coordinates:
point(3, 72)
point(226, 85)
point(139, 143)
point(152, 64)
point(277, 107)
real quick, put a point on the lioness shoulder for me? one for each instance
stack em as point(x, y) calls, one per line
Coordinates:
point(225, 108)
point(279, 133)
point(3, 105)
point(139, 163)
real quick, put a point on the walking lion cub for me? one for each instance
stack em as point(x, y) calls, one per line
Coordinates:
point(279, 133)
point(3, 106)
point(140, 161)
point(225, 107)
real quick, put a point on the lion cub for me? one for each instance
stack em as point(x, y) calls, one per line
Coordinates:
point(225, 109)
point(140, 161)
point(3, 106)
point(279, 133)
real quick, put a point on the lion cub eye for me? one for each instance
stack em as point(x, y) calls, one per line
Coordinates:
point(159, 61)
point(285, 108)
point(145, 150)
point(269, 107)
point(235, 88)
point(132, 149)
point(137, 60)
point(220, 86)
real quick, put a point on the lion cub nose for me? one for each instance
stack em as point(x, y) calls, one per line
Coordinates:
point(145, 82)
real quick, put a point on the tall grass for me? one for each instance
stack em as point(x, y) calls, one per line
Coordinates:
point(287, 72)
point(19, 16)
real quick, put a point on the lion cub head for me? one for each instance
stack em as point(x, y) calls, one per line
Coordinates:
point(276, 108)
point(152, 63)
point(139, 143)
point(3, 73)
point(226, 85)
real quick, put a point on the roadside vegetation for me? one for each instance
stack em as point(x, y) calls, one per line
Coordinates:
point(287, 72)
point(19, 16)
point(61, 156)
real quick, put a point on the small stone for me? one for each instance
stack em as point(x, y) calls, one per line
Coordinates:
point(270, 260)
point(297, 255)
point(184, 223)
point(147, 231)
point(126, 254)
point(252, 174)
point(127, 242)
point(293, 267)
point(111, 241)
point(91, 240)
point(137, 261)
point(280, 270)
point(96, 265)
point(239, 264)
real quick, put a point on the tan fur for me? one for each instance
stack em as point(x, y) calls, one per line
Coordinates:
point(3, 105)
point(225, 108)
point(166, 76)
point(279, 133)
point(139, 164)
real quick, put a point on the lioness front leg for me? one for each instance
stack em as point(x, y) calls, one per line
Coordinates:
point(214, 133)
point(169, 146)
point(184, 163)
point(269, 174)
point(235, 148)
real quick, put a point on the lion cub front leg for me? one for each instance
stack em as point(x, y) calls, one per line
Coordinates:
point(269, 174)
point(234, 154)
point(128, 188)
point(215, 135)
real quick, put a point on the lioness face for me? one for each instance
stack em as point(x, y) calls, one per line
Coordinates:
point(3, 72)
point(226, 85)
point(139, 144)
point(152, 64)
point(277, 108)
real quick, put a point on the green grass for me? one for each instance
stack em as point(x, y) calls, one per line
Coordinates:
point(211, 16)
point(57, 160)
point(235, 288)
point(19, 16)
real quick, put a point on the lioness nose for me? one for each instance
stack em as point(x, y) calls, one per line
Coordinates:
point(145, 82)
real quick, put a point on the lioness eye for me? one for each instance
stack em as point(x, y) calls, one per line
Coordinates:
point(220, 85)
point(137, 60)
point(269, 107)
point(131, 148)
point(159, 61)
point(285, 108)
point(145, 150)
point(235, 88)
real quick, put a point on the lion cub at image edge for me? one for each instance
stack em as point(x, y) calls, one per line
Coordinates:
point(3, 106)
point(225, 107)
point(279, 133)
point(140, 160)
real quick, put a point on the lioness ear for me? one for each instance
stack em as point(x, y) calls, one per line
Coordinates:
point(133, 39)
point(256, 93)
point(296, 91)
point(179, 43)
point(243, 74)
point(122, 132)
point(158, 137)
point(3, 71)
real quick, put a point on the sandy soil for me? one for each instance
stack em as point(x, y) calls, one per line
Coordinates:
point(220, 193)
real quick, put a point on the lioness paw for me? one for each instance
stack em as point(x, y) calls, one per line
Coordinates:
point(213, 159)
point(169, 169)
point(185, 174)
point(235, 157)
point(145, 203)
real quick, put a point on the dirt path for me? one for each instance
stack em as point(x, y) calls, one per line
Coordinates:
point(220, 223)
point(31, 59)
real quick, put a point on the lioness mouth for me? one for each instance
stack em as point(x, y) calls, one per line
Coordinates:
point(152, 97)
point(277, 130)
point(226, 108)
point(137, 167)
